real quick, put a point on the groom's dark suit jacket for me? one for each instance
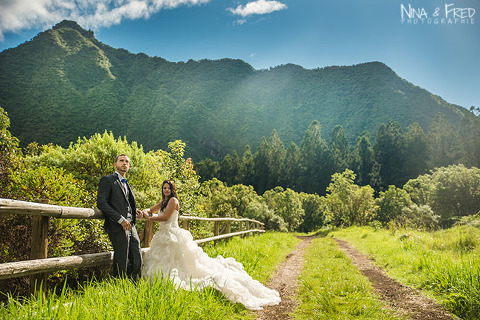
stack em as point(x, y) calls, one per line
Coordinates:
point(112, 201)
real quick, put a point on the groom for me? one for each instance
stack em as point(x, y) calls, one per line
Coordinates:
point(115, 199)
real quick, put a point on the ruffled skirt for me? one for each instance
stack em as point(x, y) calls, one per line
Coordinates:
point(173, 253)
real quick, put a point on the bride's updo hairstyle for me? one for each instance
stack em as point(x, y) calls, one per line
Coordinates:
point(173, 193)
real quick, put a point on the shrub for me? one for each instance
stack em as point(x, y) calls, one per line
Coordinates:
point(420, 217)
point(391, 203)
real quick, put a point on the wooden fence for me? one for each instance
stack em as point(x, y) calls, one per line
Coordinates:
point(40, 265)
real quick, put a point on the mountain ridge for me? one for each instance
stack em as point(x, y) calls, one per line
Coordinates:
point(64, 84)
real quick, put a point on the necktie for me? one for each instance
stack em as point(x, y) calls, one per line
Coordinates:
point(124, 183)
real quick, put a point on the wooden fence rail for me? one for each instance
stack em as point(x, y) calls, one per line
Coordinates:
point(40, 264)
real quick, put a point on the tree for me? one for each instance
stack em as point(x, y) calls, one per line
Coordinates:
point(261, 169)
point(420, 217)
point(247, 168)
point(315, 159)
point(391, 203)
point(456, 193)
point(292, 167)
point(275, 160)
point(347, 203)
point(230, 168)
point(207, 169)
point(444, 142)
point(364, 159)
point(452, 192)
point(469, 132)
point(314, 207)
point(10, 153)
point(340, 150)
point(389, 150)
point(416, 152)
point(260, 211)
point(287, 205)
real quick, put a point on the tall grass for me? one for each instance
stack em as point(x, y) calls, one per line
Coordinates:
point(259, 255)
point(333, 288)
point(445, 264)
point(158, 298)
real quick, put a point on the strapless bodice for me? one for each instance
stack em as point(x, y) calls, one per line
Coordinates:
point(172, 222)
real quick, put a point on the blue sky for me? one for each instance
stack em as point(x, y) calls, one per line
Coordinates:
point(441, 56)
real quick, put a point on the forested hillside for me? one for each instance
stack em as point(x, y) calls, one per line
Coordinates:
point(65, 84)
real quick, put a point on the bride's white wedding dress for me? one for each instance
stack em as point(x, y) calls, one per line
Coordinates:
point(173, 253)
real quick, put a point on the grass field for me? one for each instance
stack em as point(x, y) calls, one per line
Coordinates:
point(120, 299)
point(445, 264)
point(331, 287)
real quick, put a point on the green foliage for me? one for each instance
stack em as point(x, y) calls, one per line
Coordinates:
point(91, 158)
point(333, 288)
point(364, 160)
point(315, 208)
point(340, 150)
point(262, 212)
point(395, 158)
point(444, 263)
point(347, 203)
point(207, 169)
point(420, 217)
point(246, 173)
point(70, 177)
point(287, 204)
point(64, 83)
point(416, 152)
point(315, 159)
point(389, 150)
point(451, 192)
point(444, 142)
point(261, 168)
point(158, 298)
point(391, 203)
point(230, 168)
point(65, 236)
point(49, 183)
point(292, 166)
point(469, 132)
point(260, 255)
point(10, 153)
point(217, 199)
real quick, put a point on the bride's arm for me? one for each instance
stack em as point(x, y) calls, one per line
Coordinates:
point(172, 205)
point(153, 209)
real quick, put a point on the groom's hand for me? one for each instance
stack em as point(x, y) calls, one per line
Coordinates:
point(139, 213)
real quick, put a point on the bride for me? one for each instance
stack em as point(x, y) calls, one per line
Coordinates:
point(173, 252)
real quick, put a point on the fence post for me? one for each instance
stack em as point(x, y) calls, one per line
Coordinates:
point(216, 230)
point(240, 228)
point(228, 227)
point(39, 248)
point(186, 224)
point(247, 224)
point(147, 233)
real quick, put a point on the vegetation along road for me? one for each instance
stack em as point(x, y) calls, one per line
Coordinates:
point(401, 302)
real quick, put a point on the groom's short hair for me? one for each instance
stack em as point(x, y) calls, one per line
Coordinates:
point(120, 155)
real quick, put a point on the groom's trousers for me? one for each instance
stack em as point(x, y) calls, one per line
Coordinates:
point(127, 257)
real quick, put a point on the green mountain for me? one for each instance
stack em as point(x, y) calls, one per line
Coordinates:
point(64, 84)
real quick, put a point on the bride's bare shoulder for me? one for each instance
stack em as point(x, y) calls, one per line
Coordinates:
point(173, 203)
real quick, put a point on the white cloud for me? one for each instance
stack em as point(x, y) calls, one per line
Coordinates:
point(239, 21)
point(17, 15)
point(258, 7)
